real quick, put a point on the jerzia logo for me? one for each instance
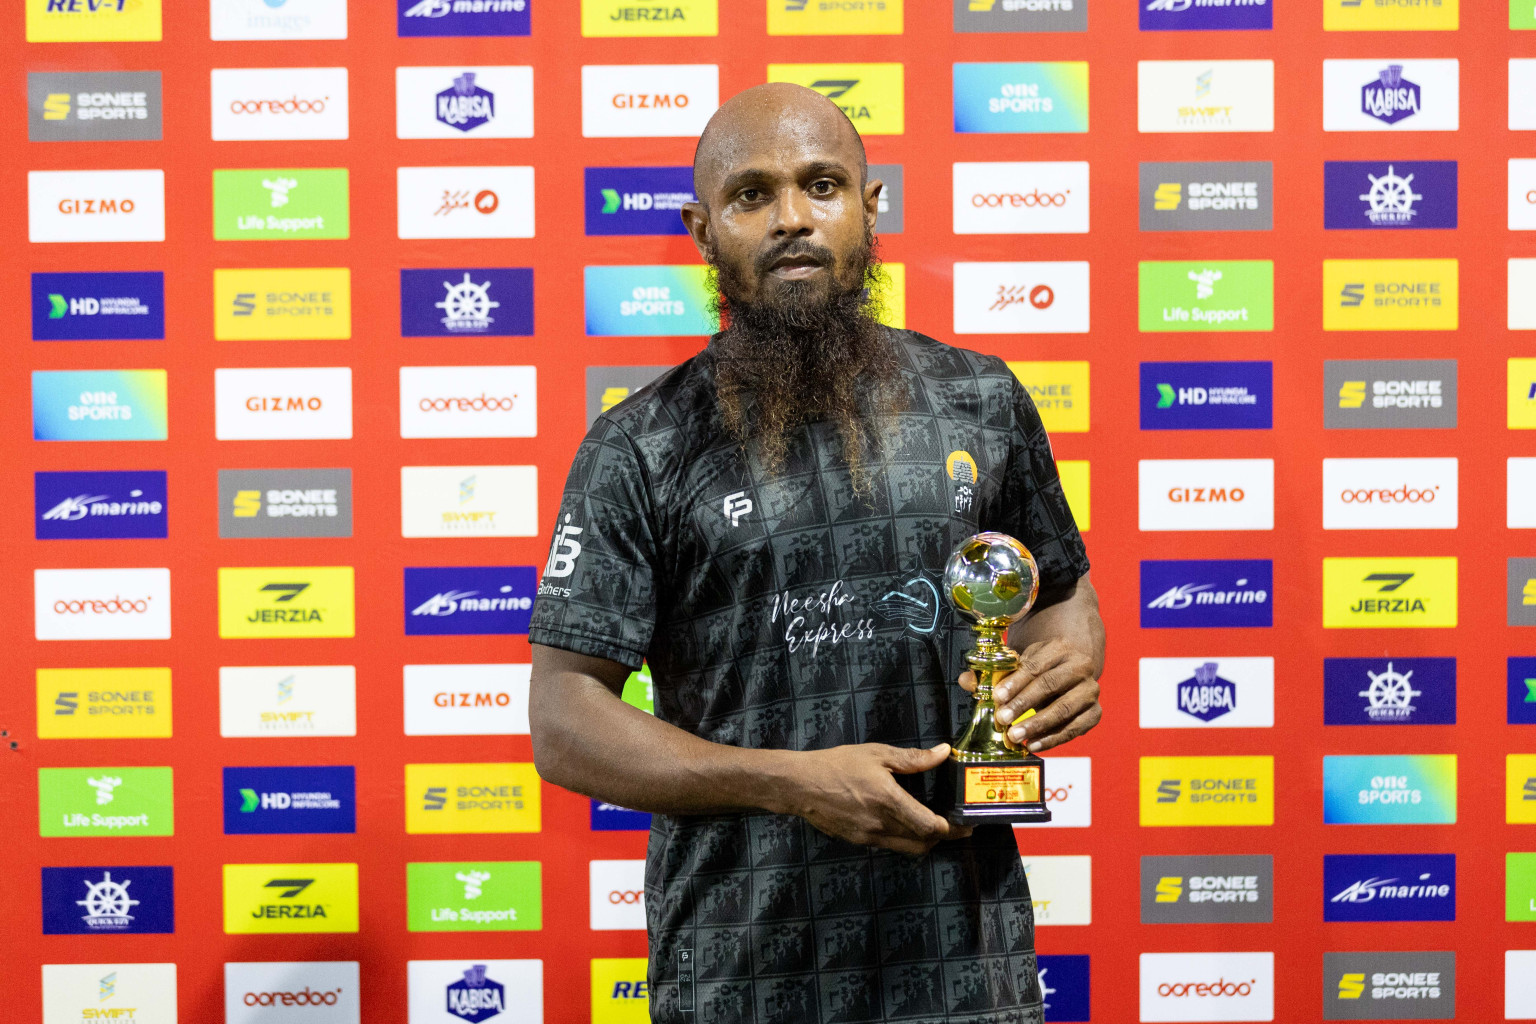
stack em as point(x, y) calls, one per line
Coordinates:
point(274, 602)
point(266, 898)
point(1374, 592)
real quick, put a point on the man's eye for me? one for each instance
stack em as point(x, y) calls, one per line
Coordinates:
point(823, 188)
point(750, 195)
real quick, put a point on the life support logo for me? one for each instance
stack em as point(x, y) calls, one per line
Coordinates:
point(105, 802)
point(471, 798)
point(617, 894)
point(1207, 790)
point(486, 896)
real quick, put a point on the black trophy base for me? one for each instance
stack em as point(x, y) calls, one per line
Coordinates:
point(984, 792)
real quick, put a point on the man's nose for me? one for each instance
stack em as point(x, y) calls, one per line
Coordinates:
point(792, 214)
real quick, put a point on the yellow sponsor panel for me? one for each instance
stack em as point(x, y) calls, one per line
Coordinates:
point(286, 601)
point(619, 992)
point(1392, 593)
point(834, 17)
point(1207, 791)
point(93, 21)
point(493, 797)
point(1520, 789)
point(634, 18)
point(1389, 295)
point(103, 703)
point(268, 898)
point(891, 293)
point(282, 304)
point(1522, 394)
point(1391, 15)
point(1074, 484)
point(870, 94)
point(1059, 391)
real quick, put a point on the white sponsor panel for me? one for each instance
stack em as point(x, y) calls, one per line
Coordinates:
point(1021, 298)
point(1205, 96)
point(263, 104)
point(282, 701)
point(1207, 987)
point(469, 501)
point(292, 992)
point(283, 19)
point(1520, 984)
point(468, 401)
point(1207, 693)
point(1520, 494)
point(1522, 87)
point(1044, 198)
point(1061, 888)
point(618, 895)
point(467, 700)
point(1390, 494)
point(1406, 95)
point(102, 604)
point(1521, 285)
point(95, 206)
point(453, 991)
point(458, 102)
point(464, 202)
point(1207, 494)
point(647, 100)
point(141, 993)
point(294, 403)
point(1068, 793)
point(1522, 194)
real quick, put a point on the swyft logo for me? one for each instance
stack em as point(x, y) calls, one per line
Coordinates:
point(278, 701)
point(469, 501)
point(1207, 986)
point(96, 206)
point(261, 104)
point(113, 992)
point(1205, 95)
point(102, 604)
point(1060, 888)
point(647, 100)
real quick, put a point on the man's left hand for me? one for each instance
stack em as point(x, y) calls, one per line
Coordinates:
point(1054, 678)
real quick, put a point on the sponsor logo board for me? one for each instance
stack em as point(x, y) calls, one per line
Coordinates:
point(282, 304)
point(269, 104)
point(1207, 396)
point(451, 991)
point(1519, 964)
point(1180, 15)
point(106, 504)
point(613, 818)
point(1521, 678)
point(1027, 97)
point(73, 993)
point(1379, 16)
point(1389, 691)
point(1409, 789)
point(1021, 16)
point(264, 899)
point(264, 19)
point(1400, 593)
point(1069, 792)
point(1201, 693)
point(1208, 889)
point(486, 896)
point(1520, 591)
point(464, 202)
point(103, 703)
point(276, 701)
point(1390, 494)
point(1205, 95)
point(1059, 391)
point(471, 798)
point(1390, 295)
point(607, 386)
point(834, 18)
point(638, 200)
point(467, 700)
point(105, 802)
point(286, 601)
point(617, 894)
point(1389, 887)
point(99, 405)
point(93, 106)
point(285, 503)
point(620, 992)
point(1042, 198)
point(466, 302)
point(290, 800)
point(469, 600)
point(1520, 789)
point(1065, 980)
point(1021, 298)
point(1360, 394)
point(283, 404)
point(462, 17)
point(102, 604)
point(610, 18)
point(282, 203)
point(469, 501)
point(96, 206)
point(1230, 295)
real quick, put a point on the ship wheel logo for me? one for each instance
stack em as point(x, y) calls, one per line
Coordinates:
point(1391, 198)
point(1390, 694)
point(107, 903)
point(467, 306)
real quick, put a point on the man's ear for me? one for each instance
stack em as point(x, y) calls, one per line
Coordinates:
point(872, 203)
point(696, 220)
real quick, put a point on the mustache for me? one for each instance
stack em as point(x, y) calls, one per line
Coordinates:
point(791, 248)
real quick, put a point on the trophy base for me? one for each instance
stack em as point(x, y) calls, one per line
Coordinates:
point(994, 791)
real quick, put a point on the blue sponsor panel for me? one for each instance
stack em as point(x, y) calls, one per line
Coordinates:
point(462, 17)
point(469, 600)
point(1385, 789)
point(290, 800)
point(1207, 593)
point(1389, 194)
point(1207, 396)
point(1389, 691)
point(1064, 987)
point(466, 302)
point(115, 900)
point(637, 200)
point(126, 306)
point(76, 506)
point(613, 818)
point(1182, 16)
point(1522, 691)
point(1389, 887)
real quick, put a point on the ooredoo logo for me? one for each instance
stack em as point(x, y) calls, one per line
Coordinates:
point(647, 100)
point(1043, 198)
point(468, 401)
point(1207, 986)
point(279, 103)
point(96, 206)
point(102, 604)
point(298, 403)
point(1390, 494)
point(304, 997)
point(617, 894)
point(312, 992)
point(1069, 792)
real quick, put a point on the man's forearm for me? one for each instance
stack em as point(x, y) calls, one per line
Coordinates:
point(1070, 614)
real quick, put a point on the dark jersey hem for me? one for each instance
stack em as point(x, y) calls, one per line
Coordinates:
point(586, 643)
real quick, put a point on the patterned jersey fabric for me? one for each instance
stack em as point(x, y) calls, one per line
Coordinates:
point(786, 612)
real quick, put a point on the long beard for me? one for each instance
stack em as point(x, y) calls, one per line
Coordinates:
point(798, 357)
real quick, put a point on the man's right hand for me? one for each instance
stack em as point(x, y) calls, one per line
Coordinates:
point(850, 793)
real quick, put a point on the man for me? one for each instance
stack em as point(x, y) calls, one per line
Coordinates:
point(767, 524)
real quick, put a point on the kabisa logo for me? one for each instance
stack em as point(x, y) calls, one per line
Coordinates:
point(1207, 396)
point(108, 901)
point(271, 601)
point(871, 95)
point(495, 896)
point(281, 203)
point(610, 18)
point(98, 405)
point(469, 600)
point(285, 503)
point(290, 898)
point(103, 703)
point(1207, 889)
point(1521, 689)
point(466, 302)
point(465, 106)
point(105, 802)
point(476, 997)
point(1411, 789)
point(70, 506)
point(1207, 791)
point(1389, 887)
point(647, 300)
point(1391, 97)
point(98, 306)
point(637, 200)
point(80, 106)
point(1371, 593)
point(1393, 393)
point(1389, 986)
point(1196, 693)
point(1234, 295)
point(1177, 594)
point(1026, 97)
point(290, 801)
point(1021, 15)
point(1202, 15)
point(1392, 691)
point(1397, 194)
point(471, 798)
point(1228, 196)
point(1417, 95)
point(462, 17)
point(492, 101)
point(93, 21)
point(1206, 695)
point(1064, 987)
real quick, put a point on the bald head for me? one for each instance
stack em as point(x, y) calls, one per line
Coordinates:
point(767, 119)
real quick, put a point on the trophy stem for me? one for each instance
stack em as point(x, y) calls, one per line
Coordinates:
point(990, 660)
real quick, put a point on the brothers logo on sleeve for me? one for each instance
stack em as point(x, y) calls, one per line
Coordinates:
point(1059, 391)
point(273, 702)
point(103, 703)
point(1021, 298)
point(282, 404)
point(92, 106)
point(1390, 295)
point(871, 95)
point(285, 503)
point(638, 200)
point(1206, 494)
point(105, 802)
point(1205, 95)
point(456, 102)
point(1215, 693)
point(467, 700)
point(1389, 691)
point(73, 993)
point(468, 401)
point(265, 104)
point(286, 601)
point(1389, 887)
point(108, 901)
point(1391, 95)
point(621, 18)
point(312, 303)
point(464, 202)
point(1206, 593)
point(1061, 888)
point(265, 899)
point(1207, 791)
point(1233, 196)
point(96, 206)
point(1231, 295)
point(834, 18)
point(1409, 789)
point(267, 19)
point(1035, 97)
point(474, 991)
point(647, 100)
point(466, 302)
point(290, 801)
point(1181, 15)
point(1361, 394)
point(1390, 593)
point(471, 798)
point(1389, 986)
point(1379, 16)
point(1207, 396)
point(113, 504)
point(1390, 494)
point(1040, 198)
point(292, 992)
point(102, 604)
point(462, 17)
point(282, 203)
point(647, 301)
point(469, 501)
point(1207, 987)
point(1207, 890)
point(1370, 194)
point(93, 21)
point(469, 600)
point(128, 306)
point(493, 896)
point(1021, 15)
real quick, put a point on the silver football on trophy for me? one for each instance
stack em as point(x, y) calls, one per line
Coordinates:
point(992, 577)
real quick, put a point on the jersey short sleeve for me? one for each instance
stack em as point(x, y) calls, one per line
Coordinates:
point(598, 592)
point(1032, 505)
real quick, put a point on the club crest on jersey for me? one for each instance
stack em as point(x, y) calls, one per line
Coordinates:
point(962, 470)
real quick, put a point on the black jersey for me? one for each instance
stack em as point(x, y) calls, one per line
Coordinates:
point(786, 612)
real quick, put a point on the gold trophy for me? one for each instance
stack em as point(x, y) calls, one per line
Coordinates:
point(992, 580)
